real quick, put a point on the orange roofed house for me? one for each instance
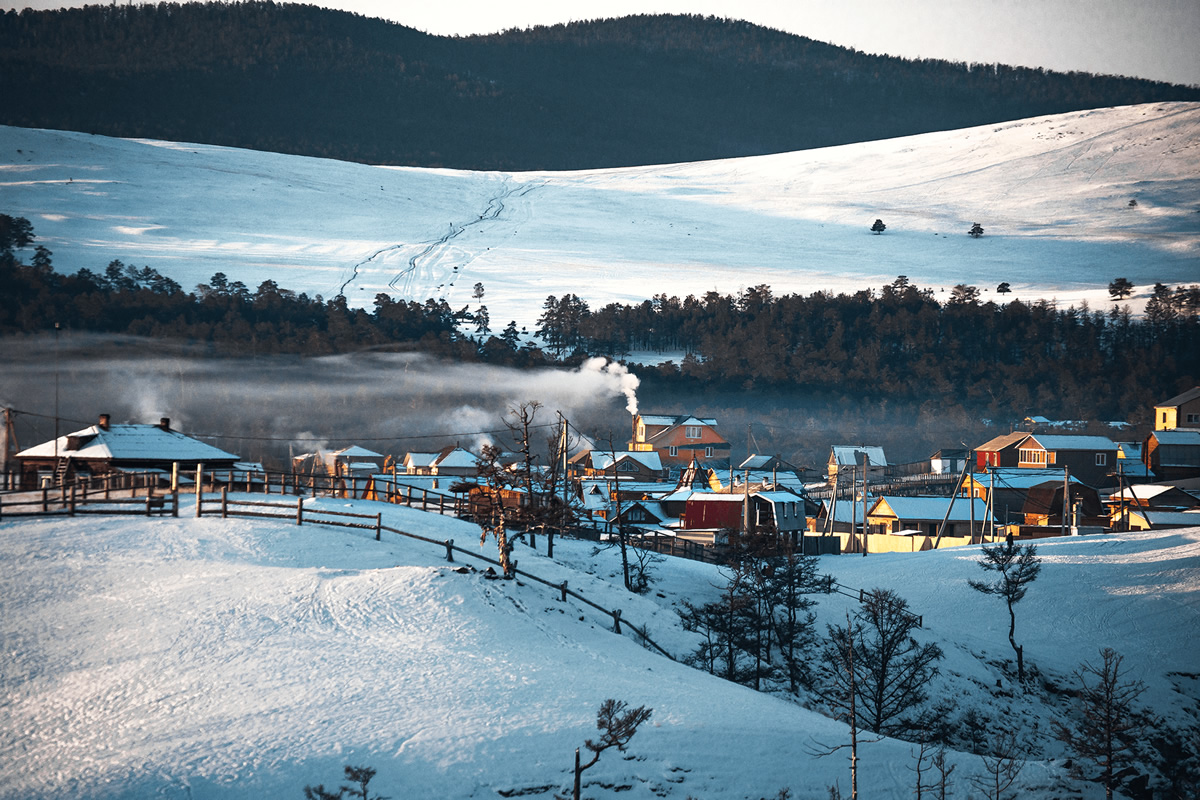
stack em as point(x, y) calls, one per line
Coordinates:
point(678, 439)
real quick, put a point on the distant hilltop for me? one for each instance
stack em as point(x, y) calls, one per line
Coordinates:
point(617, 92)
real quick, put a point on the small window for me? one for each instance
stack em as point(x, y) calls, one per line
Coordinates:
point(1101, 459)
point(627, 466)
point(673, 450)
point(708, 452)
point(1193, 418)
point(692, 431)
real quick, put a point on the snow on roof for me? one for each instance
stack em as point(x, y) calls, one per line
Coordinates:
point(1020, 477)
point(457, 457)
point(932, 508)
point(845, 455)
point(354, 451)
point(1065, 441)
point(649, 459)
point(779, 497)
point(1178, 437)
point(1146, 491)
point(420, 459)
point(129, 443)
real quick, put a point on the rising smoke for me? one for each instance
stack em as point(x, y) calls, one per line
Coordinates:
point(266, 407)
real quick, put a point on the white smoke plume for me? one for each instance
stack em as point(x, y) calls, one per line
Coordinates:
point(625, 382)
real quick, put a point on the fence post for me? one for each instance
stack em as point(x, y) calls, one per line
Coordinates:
point(45, 500)
point(224, 502)
point(563, 589)
point(175, 502)
point(424, 499)
point(616, 615)
point(450, 550)
point(299, 510)
point(378, 526)
point(148, 504)
point(71, 512)
point(199, 489)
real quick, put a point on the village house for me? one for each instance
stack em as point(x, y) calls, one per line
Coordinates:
point(924, 515)
point(354, 461)
point(1092, 459)
point(1002, 451)
point(1173, 455)
point(680, 439)
point(107, 447)
point(631, 465)
point(1152, 497)
point(843, 458)
point(1032, 496)
point(1181, 411)
point(948, 461)
point(1145, 519)
point(451, 460)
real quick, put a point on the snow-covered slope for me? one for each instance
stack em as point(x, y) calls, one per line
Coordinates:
point(244, 659)
point(1051, 193)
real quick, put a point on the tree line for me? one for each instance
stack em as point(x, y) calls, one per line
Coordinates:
point(616, 92)
point(898, 345)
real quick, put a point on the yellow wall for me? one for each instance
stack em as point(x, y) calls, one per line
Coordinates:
point(887, 543)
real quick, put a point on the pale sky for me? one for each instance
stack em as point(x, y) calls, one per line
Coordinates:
point(1156, 39)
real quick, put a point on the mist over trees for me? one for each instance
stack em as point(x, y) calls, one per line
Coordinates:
point(886, 350)
point(617, 92)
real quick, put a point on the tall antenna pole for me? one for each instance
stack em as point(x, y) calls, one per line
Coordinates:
point(56, 394)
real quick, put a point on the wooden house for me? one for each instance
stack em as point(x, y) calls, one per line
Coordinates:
point(679, 440)
point(452, 460)
point(948, 461)
point(354, 460)
point(925, 514)
point(1146, 519)
point(844, 457)
point(1031, 496)
point(108, 447)
point(1173, 454)
point(1181, 411)
point(1092, 459)
point(631, 465)
point(1002, 451)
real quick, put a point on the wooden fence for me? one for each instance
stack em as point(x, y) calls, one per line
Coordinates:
point(118, 496)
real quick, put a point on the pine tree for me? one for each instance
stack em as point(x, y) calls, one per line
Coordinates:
point(878, 227)
point(1018, 566)
point(976, 231)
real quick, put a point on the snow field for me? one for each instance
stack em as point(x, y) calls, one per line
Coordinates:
point(1051, 192)
point(235, 658)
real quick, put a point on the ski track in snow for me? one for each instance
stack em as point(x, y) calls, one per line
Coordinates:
point(436, 261)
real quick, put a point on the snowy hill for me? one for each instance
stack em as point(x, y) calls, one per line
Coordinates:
point(1052, 195)
point(243, 659)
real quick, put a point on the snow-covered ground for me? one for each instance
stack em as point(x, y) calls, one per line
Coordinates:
point(185, 658)
point(1052, 194)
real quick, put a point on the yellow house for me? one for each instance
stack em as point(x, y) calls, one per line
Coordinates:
point(1181, 411)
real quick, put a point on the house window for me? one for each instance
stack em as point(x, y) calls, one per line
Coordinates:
point(692, 431)
point(1193, 418)
point(641, 432)
point(1033, 456)
point(627, 466)
point(673, 450)
point(708, 451)
point(1101, 459)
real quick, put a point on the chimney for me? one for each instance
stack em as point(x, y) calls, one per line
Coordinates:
point(165, 423)
point(104, 422)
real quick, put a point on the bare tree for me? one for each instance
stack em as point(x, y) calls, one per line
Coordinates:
point(1001, 767)
point(1018, 566)
point(1108, 727)
point(360, 779)
point(492, 517)
point(616, 727)
point(892, 670)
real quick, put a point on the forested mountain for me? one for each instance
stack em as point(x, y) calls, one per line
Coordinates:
point(638, 90)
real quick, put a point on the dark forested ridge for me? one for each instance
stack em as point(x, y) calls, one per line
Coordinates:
point(637, 90)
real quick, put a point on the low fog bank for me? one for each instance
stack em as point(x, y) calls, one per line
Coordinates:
point(269, 407)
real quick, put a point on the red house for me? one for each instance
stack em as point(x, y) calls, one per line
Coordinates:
point(680, 439)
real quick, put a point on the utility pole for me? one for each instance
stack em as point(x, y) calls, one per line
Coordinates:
point(1066, 497)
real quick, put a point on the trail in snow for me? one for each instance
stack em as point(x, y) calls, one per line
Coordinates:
point(436, 251)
